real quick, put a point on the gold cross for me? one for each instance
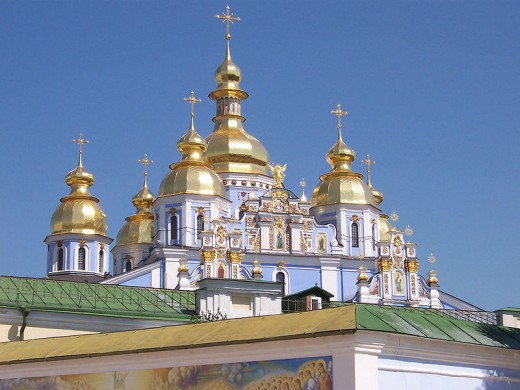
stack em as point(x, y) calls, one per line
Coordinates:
point(145, 161)
point(228, 18)
point(339, 113)
point(80, 141)
point(192, 100)
point(368, 162)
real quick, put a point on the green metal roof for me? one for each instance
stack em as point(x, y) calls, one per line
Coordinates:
point(514, 309)
point(348, 319)
point(434, 324)
point(96, 299)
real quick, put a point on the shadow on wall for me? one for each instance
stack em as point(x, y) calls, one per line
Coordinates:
point(502, 378)
point(12, 334)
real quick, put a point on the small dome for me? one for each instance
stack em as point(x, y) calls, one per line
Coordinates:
point(193, 174)
point(138, 229)
point(378, 195)
point(384, 227)
point(342, 189)
point(79, 212)
point(341, 185)
point(191, 179)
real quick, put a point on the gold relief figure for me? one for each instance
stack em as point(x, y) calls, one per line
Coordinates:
point(278, 172)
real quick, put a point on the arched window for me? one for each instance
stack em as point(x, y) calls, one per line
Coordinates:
point(60, 260)
point(355, 235)
point(200, 223)
point(280, 277)
point(174, 226)
point(128, 266)
point(81, 259)
point(241, 214)
point(101, 261)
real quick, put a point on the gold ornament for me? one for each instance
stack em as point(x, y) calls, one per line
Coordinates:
point(208, 255)
point(235, 257)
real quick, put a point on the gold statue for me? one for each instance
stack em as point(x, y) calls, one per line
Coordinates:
point(278, 174)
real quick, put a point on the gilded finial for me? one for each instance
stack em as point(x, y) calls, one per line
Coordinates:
point(339, 113)
point(368, 162)
point(80, 141)
point(145, 161)
point(228, 19)
point(303, 184)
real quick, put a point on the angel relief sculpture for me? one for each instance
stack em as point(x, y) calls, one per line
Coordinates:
point(278, 172)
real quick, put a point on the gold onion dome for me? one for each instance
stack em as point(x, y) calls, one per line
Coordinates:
point(193, 174)
point(230, 147)
point(79, 212)
point(341, 185)
point(384, 228)
point(138, 228)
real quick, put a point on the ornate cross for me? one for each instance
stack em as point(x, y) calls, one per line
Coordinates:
point(80, 141)
point(227, 18)
point(145, 161)
point(339, 113)
point(192, 100)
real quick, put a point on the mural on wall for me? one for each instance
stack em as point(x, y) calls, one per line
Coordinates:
point(291, 374)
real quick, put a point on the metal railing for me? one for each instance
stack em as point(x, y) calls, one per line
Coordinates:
point(57, 294)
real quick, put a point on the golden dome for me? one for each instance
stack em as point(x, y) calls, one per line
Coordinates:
point(193, 174)
point(230, 147)
point(139, 228)
point(79, 212)
point(384, 227)
point(341, 185)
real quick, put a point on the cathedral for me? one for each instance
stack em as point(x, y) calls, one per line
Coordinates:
point(186, 295)
point(223, 215)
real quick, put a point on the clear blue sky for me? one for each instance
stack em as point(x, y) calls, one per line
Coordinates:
point(432, 91)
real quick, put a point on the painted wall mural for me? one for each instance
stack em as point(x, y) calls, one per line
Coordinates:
point(291, 374)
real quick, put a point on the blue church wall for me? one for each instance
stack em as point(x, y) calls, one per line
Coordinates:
point(140, 281)
point(349, 280)
point(302, 279)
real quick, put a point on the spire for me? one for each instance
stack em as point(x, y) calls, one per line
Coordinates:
point(378, 196)
point(340, 156)
point(303, 183)
point(80, 141)
point(79, 180)
point(144, 198)
point(230, 148)
point(228, 74)
point(191, 144)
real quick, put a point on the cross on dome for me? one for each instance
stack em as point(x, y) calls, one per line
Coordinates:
point(80, 141)
point(339, 113)
point(227, 18)
point(368, 162)
point(145, 161)
point(192, 100)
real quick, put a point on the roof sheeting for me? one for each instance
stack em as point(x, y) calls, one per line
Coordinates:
point(426, 323)
point(95, 299)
